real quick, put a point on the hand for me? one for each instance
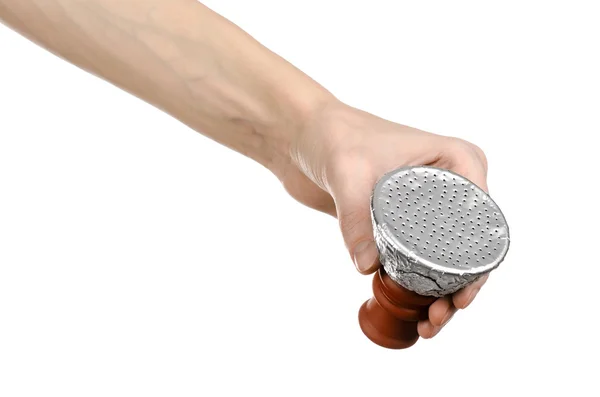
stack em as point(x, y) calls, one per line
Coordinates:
point(184, 58)
point(337, 157)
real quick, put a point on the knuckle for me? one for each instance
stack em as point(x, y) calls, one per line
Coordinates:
point(466, 148)
point(481, 154)
point(351, 221)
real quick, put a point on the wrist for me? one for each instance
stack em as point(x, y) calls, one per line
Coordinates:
point(297, 105)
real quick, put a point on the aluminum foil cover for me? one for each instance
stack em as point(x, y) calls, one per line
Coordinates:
point(436, 231)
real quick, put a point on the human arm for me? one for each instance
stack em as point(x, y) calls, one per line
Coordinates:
point(205, 71)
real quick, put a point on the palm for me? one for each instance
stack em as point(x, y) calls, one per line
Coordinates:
point(305, 191)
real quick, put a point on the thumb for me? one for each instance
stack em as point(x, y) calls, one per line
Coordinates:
point(354, 214)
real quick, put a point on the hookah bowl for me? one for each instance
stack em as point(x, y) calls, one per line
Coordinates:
point(436, 233)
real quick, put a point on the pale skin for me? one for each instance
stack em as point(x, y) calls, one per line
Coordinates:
point(203, 70)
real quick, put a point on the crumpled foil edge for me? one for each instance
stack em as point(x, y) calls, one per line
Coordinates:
point(413, 275)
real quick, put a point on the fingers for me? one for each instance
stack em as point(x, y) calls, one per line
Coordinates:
point(440, 312)
point(354, 214)
point(465, 296)
point(366, 257)
point(469, 161)
point(427, 329)
point(476, 173)
point(357, 229)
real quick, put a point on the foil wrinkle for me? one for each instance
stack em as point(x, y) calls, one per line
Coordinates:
point(436, 231)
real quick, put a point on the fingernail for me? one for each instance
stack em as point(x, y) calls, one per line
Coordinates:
point(365, 256)
point(447, 317)
point(471, 297)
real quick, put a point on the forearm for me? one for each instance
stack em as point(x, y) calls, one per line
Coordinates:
point(183, 58)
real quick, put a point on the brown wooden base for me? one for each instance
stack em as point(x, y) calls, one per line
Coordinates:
point(390, 318)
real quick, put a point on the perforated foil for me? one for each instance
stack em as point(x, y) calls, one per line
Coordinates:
point(436, 231)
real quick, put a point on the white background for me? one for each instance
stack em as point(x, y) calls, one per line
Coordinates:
point(116, 221)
